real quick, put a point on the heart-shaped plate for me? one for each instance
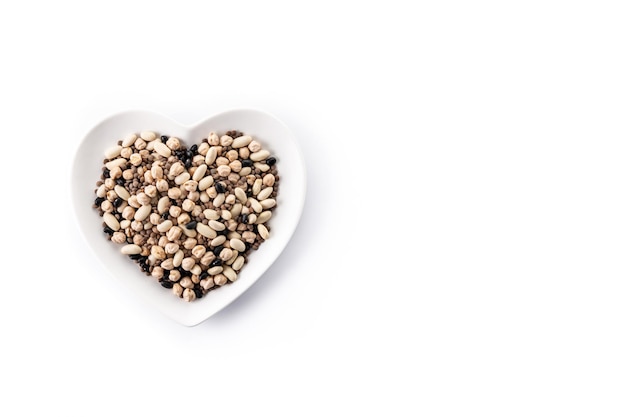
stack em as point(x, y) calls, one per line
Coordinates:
point(267, 129)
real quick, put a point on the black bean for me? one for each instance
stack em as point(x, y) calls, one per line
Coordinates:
point(224, 232)
point(166, 273)
point(120, 181)
point(204, 275)
point(217, 250)
point(216, 262)
point(270, 161)
point(166, 215)
point(191, 225)
point(220, 188)
point(118, 202)
point(193, 149)
point(198, 293)
point(167, 284)
point(247, 163)
point(188, 163)
point(99, 201)
point(135, 257)
point(164, 139)
point(106, 173)
point(108, 230)
point(244, 218)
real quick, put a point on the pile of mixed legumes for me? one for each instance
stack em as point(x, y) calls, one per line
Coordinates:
point(188, 217)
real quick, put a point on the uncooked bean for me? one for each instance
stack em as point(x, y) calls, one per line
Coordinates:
point(263, 232)
point(264, 193)
point(112, 152)
point(198, 174)
point(165, 226)
point(260, 155)
point(268, 203)
point(131, 249)
point(162, 149)
point(206, 231)
point(263, 217)
point(210, 155)
point(241, 141)
point(217, 226)
point(238, 264)
point(142, 213)
point(111, 221)
point(238, 245)
point(122, 192)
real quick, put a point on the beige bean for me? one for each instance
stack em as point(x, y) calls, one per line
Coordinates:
point(163, 204)
point(119, 162)
point(131, 249)
point(147, 135)
point(162, 149)
point(112, 152)
point(182, 178)
point(217, 226)
point(256, 186)
point(211, 214)
point(263, 232)
point(260, 155)
point(165, 226)
point(268, 203)
point(241, 195)
point(230, 273)
point(238, 245)
point(255, 205)
point(261, 167)
point(218, 240)
point(129, 140)
point(241, 141)
point(142, 213)
point(189, 295)
point(215, 270)
point(205, 183)
point(206, 231)
point(238, 264)
point(111, 221)
point(211, 154)
point(122, 192)
point(178, 258)
point(263, 217)
point(265, 193)
point(198, 174)
point(219, 200)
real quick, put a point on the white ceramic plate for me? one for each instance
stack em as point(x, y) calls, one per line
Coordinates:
point(274, 136)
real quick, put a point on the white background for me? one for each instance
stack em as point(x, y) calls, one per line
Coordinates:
point(461, 251)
